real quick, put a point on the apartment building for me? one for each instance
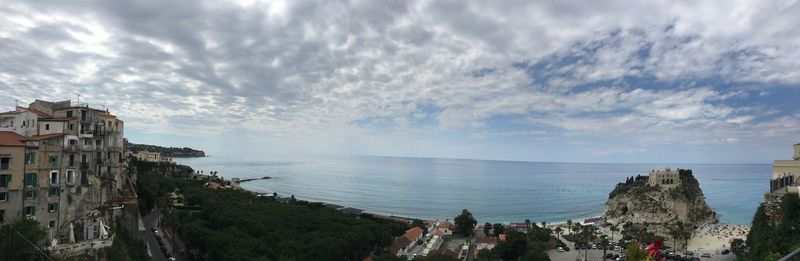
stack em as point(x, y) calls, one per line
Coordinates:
point(66, 164)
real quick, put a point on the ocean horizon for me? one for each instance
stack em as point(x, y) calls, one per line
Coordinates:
point(494, 191)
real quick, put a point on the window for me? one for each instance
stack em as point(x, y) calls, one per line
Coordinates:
point(51, 224)
point(30, 179)
point(30, 194)
point(53, 192)
point(30, 210)
point(4, 180)
point(3, 196)
point(71, 160)
point(71, 126)
point(2, 216)
point(70, 176)
point(53, 162)
point(5, 163)
point(30, 158)
point(47, 127)
point(97, 142)
point(69, 114)
point(54, 177)
point(52, 207)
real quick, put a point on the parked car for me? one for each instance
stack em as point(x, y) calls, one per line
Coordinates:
point(155, 230)
point(560, 249)
point(725, 252)
point(705, 255)
point(566, 248)
point(609, 256)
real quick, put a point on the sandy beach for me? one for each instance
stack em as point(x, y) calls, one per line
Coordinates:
point(713, 238)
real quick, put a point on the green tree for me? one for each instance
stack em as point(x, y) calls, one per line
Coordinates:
point(17, 239)
point(528, 223)
point(604, 243)
point(486, 228)
point(569, 226)
point(635, 252)
point(465, 223)
point(498, 228)
point(737, 246)
point(558, 231)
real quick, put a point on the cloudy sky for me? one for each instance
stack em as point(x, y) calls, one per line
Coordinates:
point(604, 81)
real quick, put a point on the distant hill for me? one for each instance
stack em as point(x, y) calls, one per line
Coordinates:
point(172, 152)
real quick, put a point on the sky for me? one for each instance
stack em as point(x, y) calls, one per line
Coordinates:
point(568, 81)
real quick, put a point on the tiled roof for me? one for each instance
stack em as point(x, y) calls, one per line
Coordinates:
point(486, 240)
point(413, 233)
point(446, 225)
point(38, 112)
point(44, 137)
point(11, 139)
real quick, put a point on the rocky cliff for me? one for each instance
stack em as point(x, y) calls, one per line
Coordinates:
point(660, 209)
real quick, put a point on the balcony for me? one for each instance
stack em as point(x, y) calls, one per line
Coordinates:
point(84, 165)
point(71, 147)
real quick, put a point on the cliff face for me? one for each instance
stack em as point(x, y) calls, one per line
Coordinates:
point(659, 208)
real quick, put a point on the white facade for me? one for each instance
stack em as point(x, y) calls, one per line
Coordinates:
point(21, 122)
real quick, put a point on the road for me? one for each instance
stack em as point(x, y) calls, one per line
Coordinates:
point(146, 235)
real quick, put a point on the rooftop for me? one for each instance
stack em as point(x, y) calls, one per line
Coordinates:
point(413, 233)
point(11, 139)
point(44, 137)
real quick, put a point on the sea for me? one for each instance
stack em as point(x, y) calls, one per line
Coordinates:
point(493, 191)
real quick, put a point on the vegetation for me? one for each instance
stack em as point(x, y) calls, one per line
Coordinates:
point(237, 225)
point(635, 185)
point(169, 152)
point(635, 252)
point(149, 182)
point(766, 240)
point(126, 247)
point(465, 223)
point(15, 243)
point(521, 246)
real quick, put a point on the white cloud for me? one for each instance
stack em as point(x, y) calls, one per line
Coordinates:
point(309, 70)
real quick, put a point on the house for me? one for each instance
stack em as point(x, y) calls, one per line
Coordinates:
point(406, 241)
point(485, 243)
point(445, 228)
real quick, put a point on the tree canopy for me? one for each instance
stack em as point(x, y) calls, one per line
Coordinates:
point(16, 240)
point(465, 223)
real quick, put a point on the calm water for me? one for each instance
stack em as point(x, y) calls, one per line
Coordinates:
point(494, 191)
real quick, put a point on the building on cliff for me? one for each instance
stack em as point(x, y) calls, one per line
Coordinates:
point(152, 156)
point(663, 179)
point(785, 174)
point(61, 164)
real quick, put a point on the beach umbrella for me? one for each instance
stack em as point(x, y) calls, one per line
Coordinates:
point(103, 231)
point(71, 233)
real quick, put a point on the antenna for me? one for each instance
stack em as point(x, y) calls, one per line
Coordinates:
point(16, 103)
point(79, 98)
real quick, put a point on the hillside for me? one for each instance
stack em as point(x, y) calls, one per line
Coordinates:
point(172, 152)
point(659, 210)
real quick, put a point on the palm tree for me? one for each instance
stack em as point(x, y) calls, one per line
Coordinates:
point(528, 224)
point(635, 252)
point(604, 243)
point(558, 232)
point(544, 224)
point(569, 226)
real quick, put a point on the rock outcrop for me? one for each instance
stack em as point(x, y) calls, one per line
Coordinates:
point(659, 209)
